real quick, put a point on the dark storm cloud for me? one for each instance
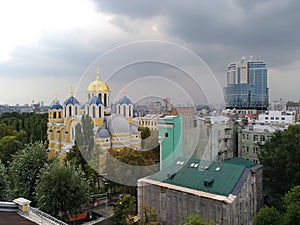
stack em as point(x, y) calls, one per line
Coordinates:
point(267, 29)
point(131, 8)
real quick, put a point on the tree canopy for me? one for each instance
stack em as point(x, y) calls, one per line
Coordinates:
point(195, 220)
point(62, 190)
point(26, 166)
point(281, 158)
point(124, 212)
point(18, 129)
point(3, 182)
point(289, 213)
point(267, 216)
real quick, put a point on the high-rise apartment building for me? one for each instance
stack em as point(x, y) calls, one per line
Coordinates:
point(247, 85)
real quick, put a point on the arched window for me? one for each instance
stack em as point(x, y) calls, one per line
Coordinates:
point(65, 110)
point(129, 110)
point(76, 110)
point(105, 99)
point(70, 110)
point(54, 115)
point(94, 112)
point(124, 110)
point(119, 109)
point(99, 111)
point(100, 96)
point(59, 115)
point(73, 133)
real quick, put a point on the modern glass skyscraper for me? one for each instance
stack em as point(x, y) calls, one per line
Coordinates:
point(247, 85)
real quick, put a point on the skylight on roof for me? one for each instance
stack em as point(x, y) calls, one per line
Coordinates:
point(179, 163)
point(192, 165)
point(217, 169)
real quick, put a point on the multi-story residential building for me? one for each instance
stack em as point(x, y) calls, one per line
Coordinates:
point(247, 85)
point(208, 138)
point(293, 106)
point(150, 121)
point(278, 117)
point(251, 140)
point(278, 105)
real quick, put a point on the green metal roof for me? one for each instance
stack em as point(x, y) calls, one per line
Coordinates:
point(241, 161)
point(214, 177)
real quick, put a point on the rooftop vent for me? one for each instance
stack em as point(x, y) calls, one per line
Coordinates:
point(196, 165)
point(209, 181)
point(192, 165)
point(171, 175)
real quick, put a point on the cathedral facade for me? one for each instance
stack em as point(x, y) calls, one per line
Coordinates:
point(111, 131)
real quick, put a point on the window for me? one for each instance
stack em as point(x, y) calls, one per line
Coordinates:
point(282, 118)
point(247, 136)
point(262, 137)
point(255, 150)
point(277, 118)
point(243, 148)
point(272, 118)
point(243, 137)
point(266, 118)
point(59, 114)
point(54, 115)
point(99, 111)
point(94, 112)
point(105, 99)
point(247, 149)
point(166, 134)
point(76, 110)
point(70, 110)
point(129, 110)
point(255, 137)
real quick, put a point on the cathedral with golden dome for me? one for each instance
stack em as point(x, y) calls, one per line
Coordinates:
point(111, 131)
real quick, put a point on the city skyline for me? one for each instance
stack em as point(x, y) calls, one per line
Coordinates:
point(46, 48)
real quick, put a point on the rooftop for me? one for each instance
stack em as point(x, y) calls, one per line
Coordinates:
point(14, 218)
point(220, 178)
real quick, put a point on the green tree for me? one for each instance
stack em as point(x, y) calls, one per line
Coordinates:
point(75, 157)
point(62, 190)
point(145, 132)
point(268, 216)
point(25, 168)
point(291, 203)
point(125, 211)
point(281, 159)
point(195, 220)
point(8, 146)
point(149, 216)
point(85, 134)
point(3, 182)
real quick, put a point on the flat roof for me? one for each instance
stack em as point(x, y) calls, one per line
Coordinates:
point(13, 218)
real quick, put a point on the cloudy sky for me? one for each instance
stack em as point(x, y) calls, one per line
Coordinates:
point(47, 46)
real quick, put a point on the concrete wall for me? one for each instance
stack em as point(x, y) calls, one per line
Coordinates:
point(174, 206)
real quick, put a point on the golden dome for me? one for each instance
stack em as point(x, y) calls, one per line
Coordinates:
point(98, 85)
